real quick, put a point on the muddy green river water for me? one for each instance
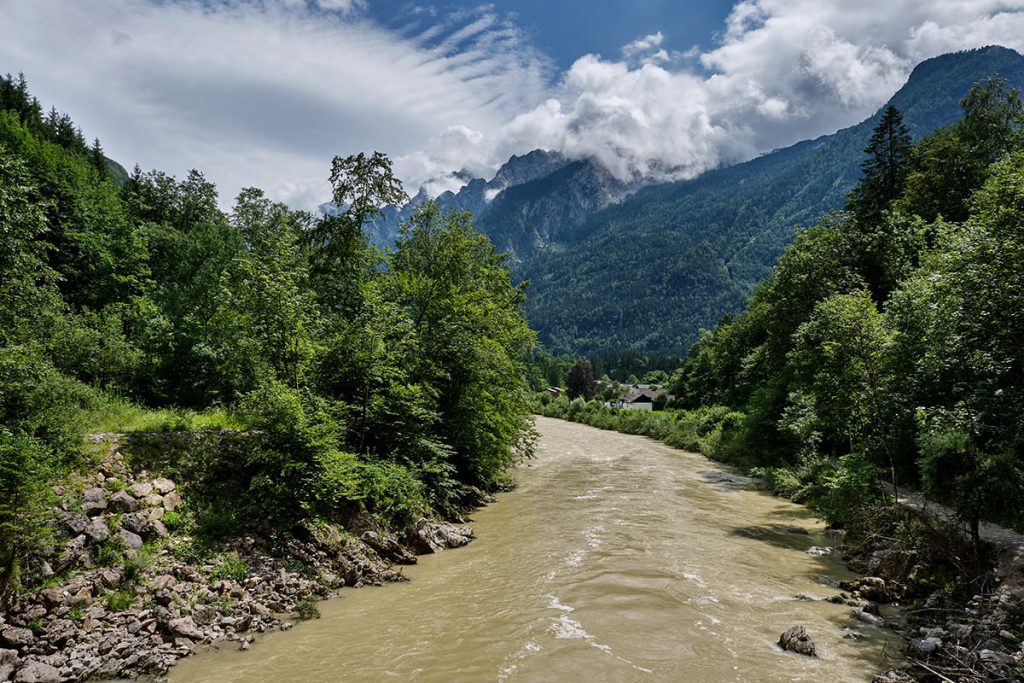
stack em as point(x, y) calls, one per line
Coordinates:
point(615, 559)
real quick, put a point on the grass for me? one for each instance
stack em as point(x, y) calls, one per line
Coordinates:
point(115, 414)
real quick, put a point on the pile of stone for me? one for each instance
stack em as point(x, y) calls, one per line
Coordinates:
point(111, 622)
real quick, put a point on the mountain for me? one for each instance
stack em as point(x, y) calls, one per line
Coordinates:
point(527, 217)
point(650, 271)
point(476, 196)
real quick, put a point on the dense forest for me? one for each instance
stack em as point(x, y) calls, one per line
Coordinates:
point(385, 381)
point(649, 272)
point(885, 346)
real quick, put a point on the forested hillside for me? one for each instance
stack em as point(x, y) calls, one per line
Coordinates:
point(382, 382)
point(885, 346)
point(651, 271)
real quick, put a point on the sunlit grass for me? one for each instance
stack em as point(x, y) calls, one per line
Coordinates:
point(115, 414)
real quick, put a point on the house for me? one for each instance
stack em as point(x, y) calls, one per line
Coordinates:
point(643, 397)
point(554, 392)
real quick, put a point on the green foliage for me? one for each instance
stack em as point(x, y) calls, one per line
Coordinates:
point(118, 601)
point(132, 303)
point(307, 608)
point(230, 566)
point(872, 318)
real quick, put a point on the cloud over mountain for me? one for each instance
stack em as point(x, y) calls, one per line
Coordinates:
point(264, 92)
point(782, 71)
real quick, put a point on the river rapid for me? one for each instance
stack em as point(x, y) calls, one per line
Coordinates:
point(615, 559)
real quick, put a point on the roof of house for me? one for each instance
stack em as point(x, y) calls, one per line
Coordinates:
point(643, 393)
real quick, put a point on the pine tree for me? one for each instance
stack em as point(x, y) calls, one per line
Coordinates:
point(885, 169)
point(99, 160)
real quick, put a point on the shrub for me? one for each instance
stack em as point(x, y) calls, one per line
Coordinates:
point(307, 608)
point(118, 601)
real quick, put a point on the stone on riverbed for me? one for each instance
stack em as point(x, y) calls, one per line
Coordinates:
point(797, 640)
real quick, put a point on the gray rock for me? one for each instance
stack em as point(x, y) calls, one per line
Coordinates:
point(797, 640)
point(163, 486)
point(82, 597)
point(8, 664)
point(155, 529)
point(186, 628)
point(52, 596)
point(432, 537)
point(388, 547)
point(131, 540)
point(204, 615)
point(94, 501)
point(926, 646)
point(135, 523)
point(141, 489)
point(60, 631)
point(34, 671)
point(172, 501)
point(122, 501)
point(76, 524)
point(97, 530)
point(867, 617)
point(163, 582)
point(16, 637)
point(819, 550)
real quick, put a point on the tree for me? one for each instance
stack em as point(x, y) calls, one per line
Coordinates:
point(580, 381)
point(339, 252)
point(885, 169)
point(471, 338)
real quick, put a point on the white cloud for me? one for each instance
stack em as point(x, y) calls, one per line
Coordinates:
point(266, 92)
point(782, 71)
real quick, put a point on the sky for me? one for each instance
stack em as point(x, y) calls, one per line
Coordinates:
point(265, 92)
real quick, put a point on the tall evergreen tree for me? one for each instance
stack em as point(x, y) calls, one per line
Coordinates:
point(885, 169)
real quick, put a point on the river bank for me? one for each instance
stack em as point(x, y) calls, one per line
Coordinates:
point(128, 591)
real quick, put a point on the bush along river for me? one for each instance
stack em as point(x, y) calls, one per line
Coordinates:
point(616, 559)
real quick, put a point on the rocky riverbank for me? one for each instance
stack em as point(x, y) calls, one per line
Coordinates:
point(126, 592)
point(960, 619)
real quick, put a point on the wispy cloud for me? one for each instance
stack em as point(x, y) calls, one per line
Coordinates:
point(264, 93)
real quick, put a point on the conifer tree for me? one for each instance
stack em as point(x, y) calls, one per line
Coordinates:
point(885, 169)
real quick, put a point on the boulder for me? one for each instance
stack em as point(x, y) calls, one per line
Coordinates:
point(867, 618)
point(16, 637)
point(388, 547)
point(797, 640)
point(94, 501)
point(163, 582)
point(432, 537)
point(155, 529)
point(172, 501)
point(163, 486)
point(74, 523)
point(135, 522)
point(34, 671)
point(186, 628)
point(52, 596)
point(926, 646)
point(97, 530)
point(141, 489)
point(59, 631)
point(122, 501)
point(819, 550)
point(132, 541)
point(82, 597)
point(8, 664)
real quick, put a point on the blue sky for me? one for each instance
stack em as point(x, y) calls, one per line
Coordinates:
point(265, 92)
point(567, 29)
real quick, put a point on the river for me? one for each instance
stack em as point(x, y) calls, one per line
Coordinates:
point(615, 559)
